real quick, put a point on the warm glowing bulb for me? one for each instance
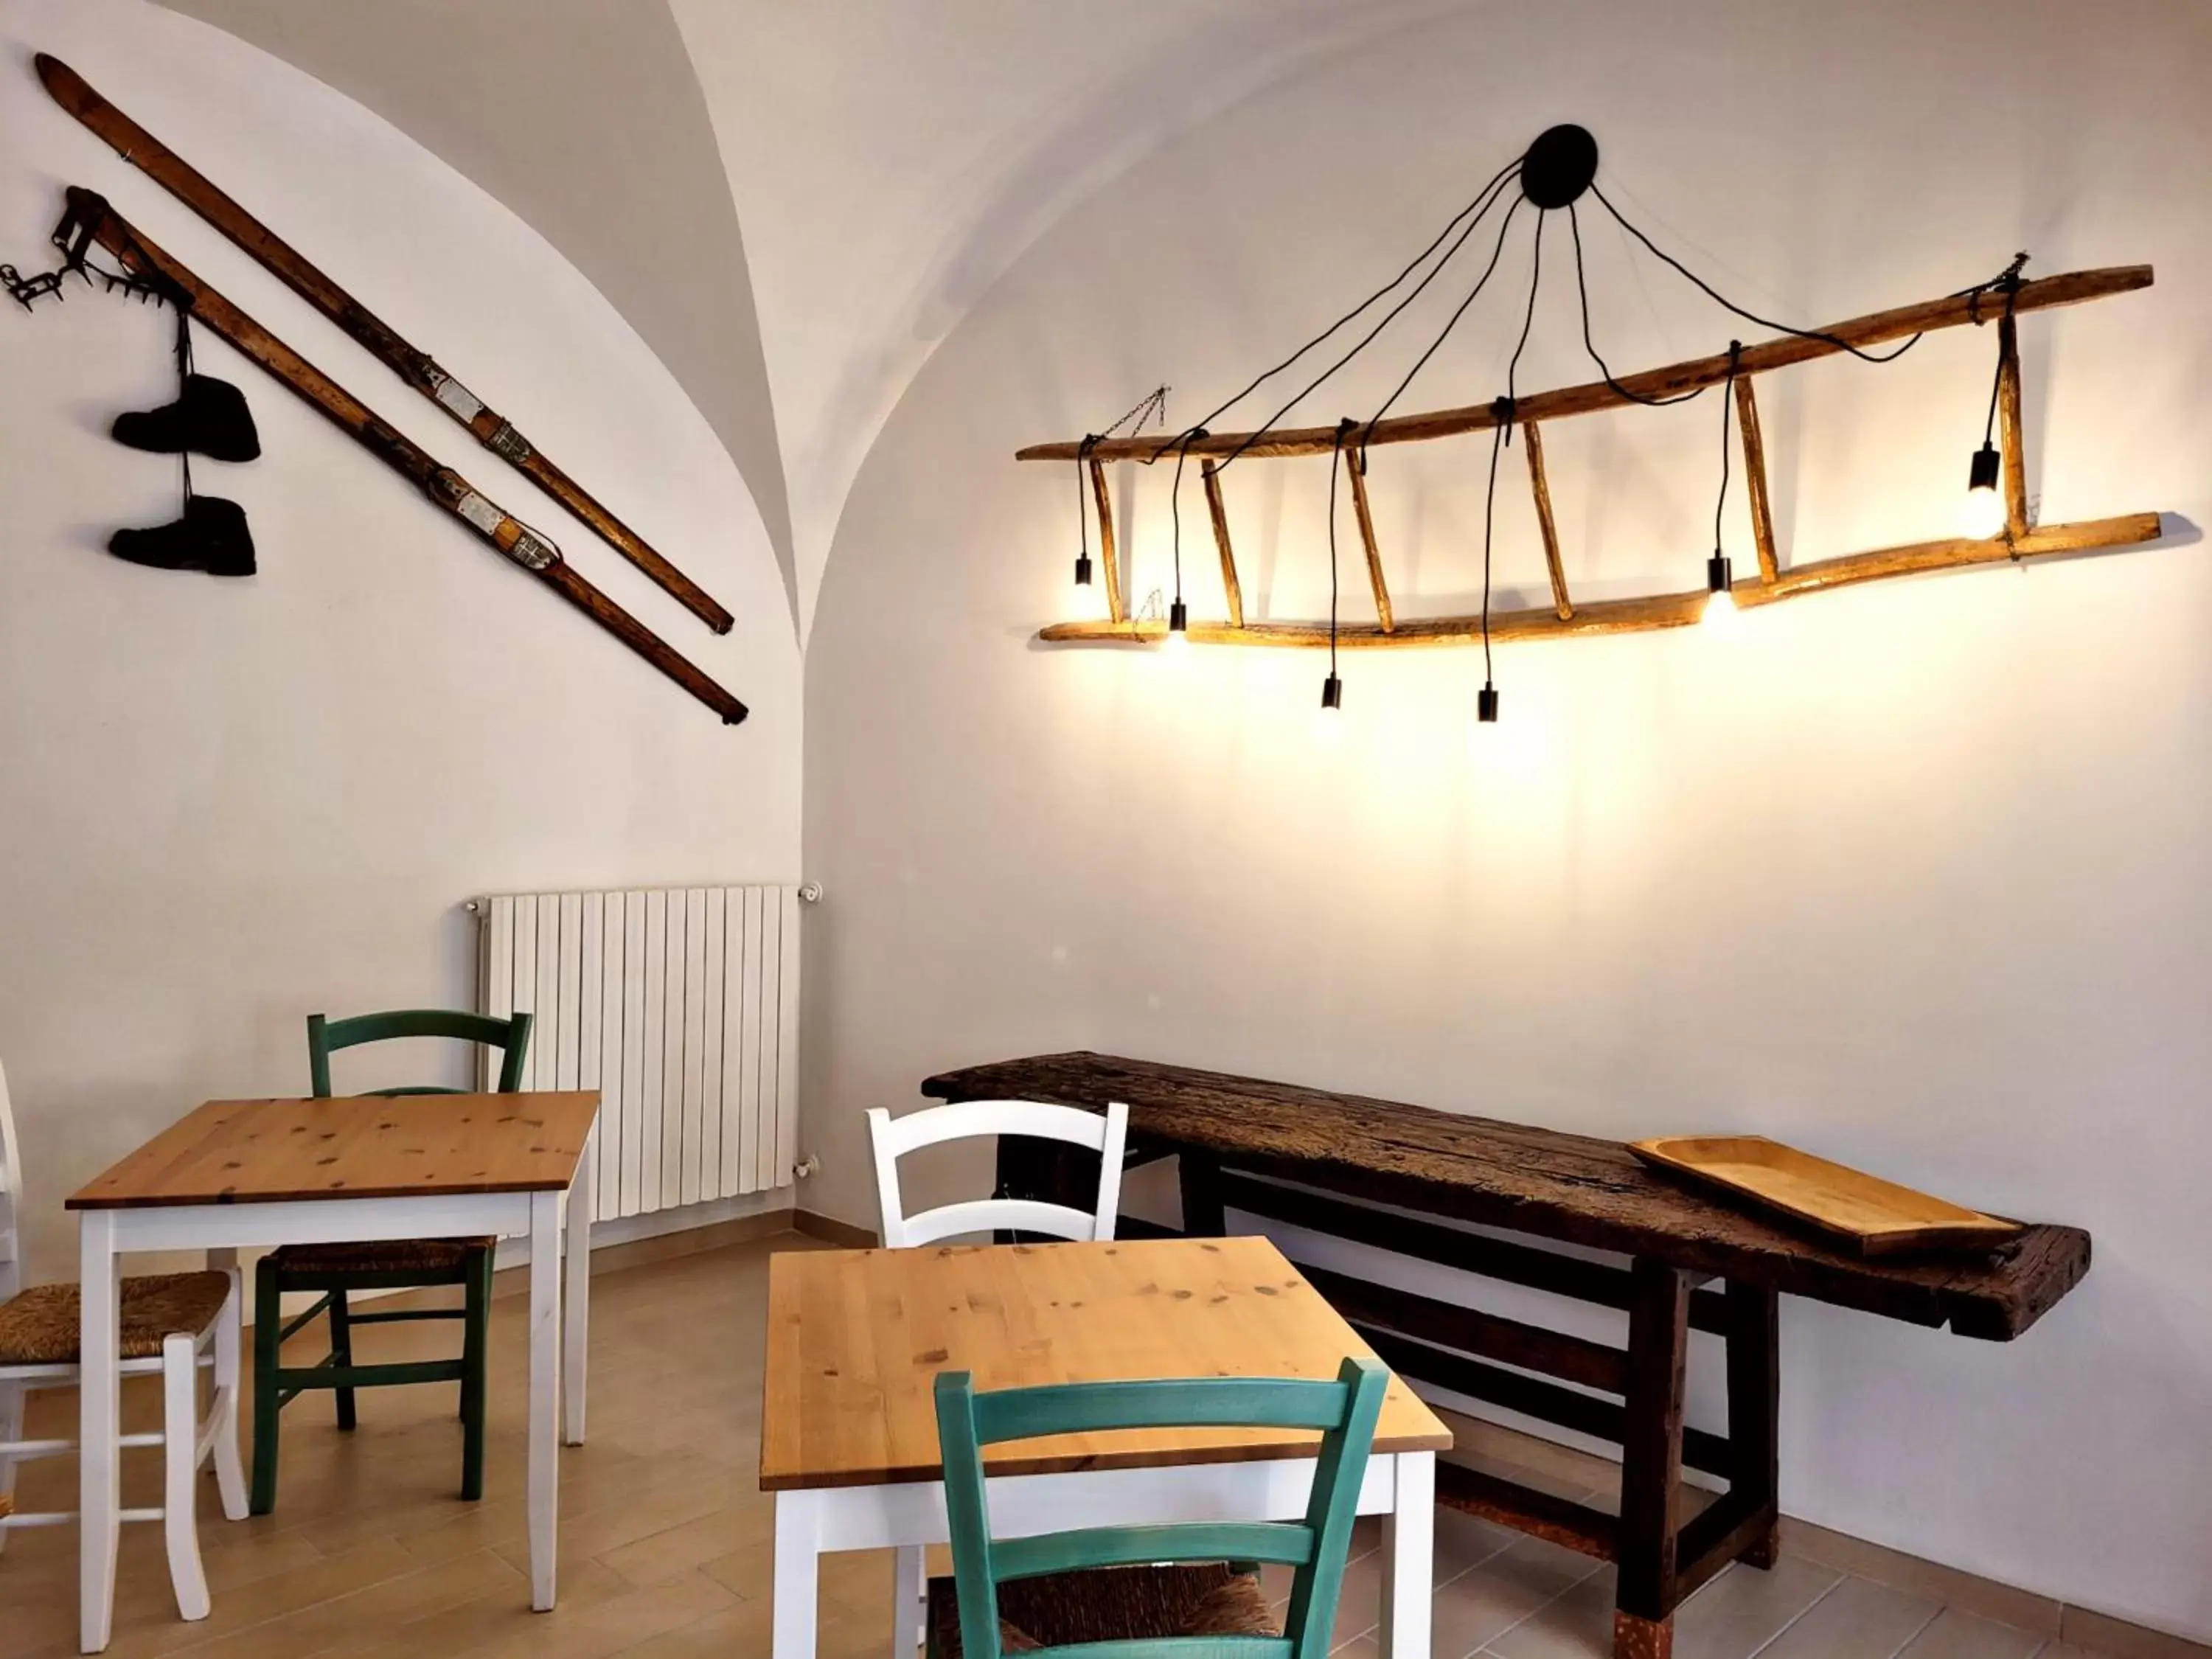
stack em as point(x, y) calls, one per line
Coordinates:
point(1720, 585)
point(1982, 513)
point(1178, 634)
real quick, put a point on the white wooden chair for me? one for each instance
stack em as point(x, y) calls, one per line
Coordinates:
point(893, 1138)
point(1105, 1132)
point(172, 1324)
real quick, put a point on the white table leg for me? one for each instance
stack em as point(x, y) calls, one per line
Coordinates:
point(577, 1317)
point(1408, 1540)
point(100, 1474)
point(797, 1569)
point(545, 1394)
point(908, 1614)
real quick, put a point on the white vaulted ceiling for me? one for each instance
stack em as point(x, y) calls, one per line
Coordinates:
point(793, 203)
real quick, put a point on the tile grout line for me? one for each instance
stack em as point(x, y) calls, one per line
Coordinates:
point(1920, 1631)
point(1488, 1647)
point(1802, 1613)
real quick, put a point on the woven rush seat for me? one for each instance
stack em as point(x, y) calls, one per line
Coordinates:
point(1110, 1604)
point(40, 1326)
point(436, 1255)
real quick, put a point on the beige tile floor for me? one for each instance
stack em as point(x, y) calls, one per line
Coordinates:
point(665, 1535)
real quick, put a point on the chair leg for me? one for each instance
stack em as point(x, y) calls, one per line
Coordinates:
point(11, 1428)
point(180, 1432)
point(268, 1331)
point(222, 1410)
point(475, 1341)
point(342, 1353)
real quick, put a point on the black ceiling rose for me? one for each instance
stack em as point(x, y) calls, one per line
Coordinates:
point(1559, 166)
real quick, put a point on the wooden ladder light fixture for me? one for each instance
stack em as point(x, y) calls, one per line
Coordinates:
point(1552, 176)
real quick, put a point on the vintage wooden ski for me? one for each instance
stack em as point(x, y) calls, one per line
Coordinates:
point(89, 213)
point(150, 155)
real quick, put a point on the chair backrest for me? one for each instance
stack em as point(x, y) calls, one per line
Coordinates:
point(1345, 1412)
point(326, 1036)
point(11, 1192)
point(1103, 1132)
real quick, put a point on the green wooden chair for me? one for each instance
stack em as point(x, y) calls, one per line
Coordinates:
point(1188, 1591)
point(332, 1271)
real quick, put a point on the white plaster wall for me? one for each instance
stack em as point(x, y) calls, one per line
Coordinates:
point(889, 161)
point(224, 805)
point(1914, 874)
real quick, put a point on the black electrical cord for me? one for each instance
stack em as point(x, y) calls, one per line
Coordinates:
point(2010, 281)
point(1082, 517)
point(1335, 467)
point(1528, 322)
point(1251, 438)
point(1720, 299)
point(1728, 407)
point(1174, 504)
point(1589, 344)
point(1503, 410)
point(1478, 203)
point(1452, 322)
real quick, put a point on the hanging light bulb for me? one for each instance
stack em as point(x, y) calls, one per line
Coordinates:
point(1486, 704)
point(1178, 634)
point(1982, 513)
point(1082, 570)
point(1328, 718)
point(1720, 594)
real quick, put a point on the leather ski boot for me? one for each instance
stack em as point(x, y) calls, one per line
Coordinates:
point(211, 537)
point(209, 418)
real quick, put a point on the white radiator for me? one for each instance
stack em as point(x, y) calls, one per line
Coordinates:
point(680, 1006)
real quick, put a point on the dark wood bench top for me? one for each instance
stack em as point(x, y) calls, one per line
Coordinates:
point(1576, 1188)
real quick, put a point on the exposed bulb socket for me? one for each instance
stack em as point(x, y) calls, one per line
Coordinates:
point(1719, 575)
point(1082, 570)
point(1331, 693)
point(1982, 474)
point(1486, 704)
point(1178, 618)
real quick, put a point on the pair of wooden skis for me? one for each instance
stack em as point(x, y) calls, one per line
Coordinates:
point(90, 215)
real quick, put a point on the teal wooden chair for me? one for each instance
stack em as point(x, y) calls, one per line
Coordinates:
point(331, 1272)
point(1181, 1591)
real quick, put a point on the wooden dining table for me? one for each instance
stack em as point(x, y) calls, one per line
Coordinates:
point(848, 1425)
point(239, 1174)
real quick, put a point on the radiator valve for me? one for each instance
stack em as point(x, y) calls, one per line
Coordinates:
point(809, 1165)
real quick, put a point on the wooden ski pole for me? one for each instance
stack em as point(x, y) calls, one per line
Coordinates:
point(90, 212)
point(491, 430)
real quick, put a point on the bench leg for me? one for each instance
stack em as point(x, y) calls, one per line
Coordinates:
point(1199, 1179)
point(1754, 1399)
point(1651, 1461)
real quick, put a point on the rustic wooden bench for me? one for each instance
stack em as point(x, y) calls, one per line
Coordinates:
point(1694, 1264)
